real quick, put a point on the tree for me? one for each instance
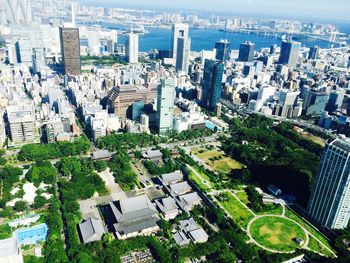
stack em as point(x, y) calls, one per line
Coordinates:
point(39, 201)
point(100, 165)
point(20, 206)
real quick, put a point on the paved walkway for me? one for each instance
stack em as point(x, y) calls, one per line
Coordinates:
point(247, 230)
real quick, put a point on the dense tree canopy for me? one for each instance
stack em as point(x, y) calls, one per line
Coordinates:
point(274, 154)
point(54, 150)
point(122, 172)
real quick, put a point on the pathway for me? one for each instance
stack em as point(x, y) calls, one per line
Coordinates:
point(306, 242)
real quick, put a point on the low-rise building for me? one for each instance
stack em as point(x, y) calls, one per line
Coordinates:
point(91, 230)
point(188, 231)
point(134, 216)
point(168, 207)
point(10, 251)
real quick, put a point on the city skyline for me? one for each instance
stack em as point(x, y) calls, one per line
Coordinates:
point(298, 9)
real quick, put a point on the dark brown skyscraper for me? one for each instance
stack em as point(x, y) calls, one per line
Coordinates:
point(70, 50)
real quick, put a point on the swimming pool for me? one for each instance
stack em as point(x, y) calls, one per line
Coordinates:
point(32, 235)
point(211, 126)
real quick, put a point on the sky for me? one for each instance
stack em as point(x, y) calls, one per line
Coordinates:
point(305, 9)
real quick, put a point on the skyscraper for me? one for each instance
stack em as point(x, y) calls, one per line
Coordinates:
point(183, 54)
point(246, 52)
point(26, 38)
point(18, 12)
point(330, 197)
point(223, 49)
point(70, 50)
point(289, 53)
point(165, 104)
point(314, 52)
point(179, 30)
point(132, 48)
point(212, 83)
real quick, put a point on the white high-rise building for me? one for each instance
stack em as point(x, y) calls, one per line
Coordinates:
point(179, 30)
point(266, 93)
point(18, 12)
point(330, 196)
point(132, 48)
point(25, 39)
point(21, 121)
point(165, 104)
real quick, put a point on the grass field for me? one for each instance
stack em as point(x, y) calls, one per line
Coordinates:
point(316, 246)
point(242, 195)
point(237, 211)
point(198, 181)
point(315, 139)
point(308, 227)
point(274, 210)
point(276, 233)
point(217, 159)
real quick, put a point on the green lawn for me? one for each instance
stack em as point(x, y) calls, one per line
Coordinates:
point(217, 159)
point(205, 177)
point(277, 233)
point(198, 181)
point(274, 210)
point(242, 195)
point(237, 211)
point(307, 226)
point(316, 246)
point(315, 139)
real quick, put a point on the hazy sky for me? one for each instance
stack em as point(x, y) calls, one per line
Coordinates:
point(312, 9)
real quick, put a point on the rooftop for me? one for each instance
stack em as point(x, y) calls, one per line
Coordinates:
point(9, 247)
point(172, 177)
point(343, 144)
point(91, 230)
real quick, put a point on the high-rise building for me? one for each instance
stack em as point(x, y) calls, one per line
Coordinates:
point(223, 50)
point(212, 84)
point(21, 123)
point(314, 102)
point(70, 50)
point(314, 52)
point(17, 12)
point(26, 38)
point(179, 30)
point(246, 52)
point(38, 59)
point(335, 101)
point(121, 98)
point(165, 104)
point(183, 54)
point(132, 48)
point(330, 196)
point(289, 53)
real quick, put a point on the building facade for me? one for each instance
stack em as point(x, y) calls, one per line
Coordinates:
point(223, 50)
point(132, 48)
point(289, 53)
point(179, 30)
point(330, 197)
point(70, 50)
point(246, 52)
point(165, 105)
point(183, 54)
point(212, 84)
point(121, 98)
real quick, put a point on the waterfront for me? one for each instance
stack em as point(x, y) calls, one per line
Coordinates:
point(160, 38)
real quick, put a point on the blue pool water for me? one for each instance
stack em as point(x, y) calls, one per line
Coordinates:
point(33, 235)
point(211, 126)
